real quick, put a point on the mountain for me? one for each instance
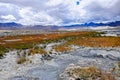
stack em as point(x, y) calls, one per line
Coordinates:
point(10, 25)
point(41, 27)
point(116, 23)
point(112, 24)
point(13, 26)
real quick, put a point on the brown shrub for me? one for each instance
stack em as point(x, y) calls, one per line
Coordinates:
point(21, 60)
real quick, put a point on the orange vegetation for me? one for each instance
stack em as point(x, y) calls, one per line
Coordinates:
point(36, 38)
point(84, 38)
point(90, 73)
point(37, 51)
point(62, 48)
point(97, 41)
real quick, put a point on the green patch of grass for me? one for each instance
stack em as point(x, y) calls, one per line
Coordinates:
point(22, 46)
point(3, 50)
point(118, 69)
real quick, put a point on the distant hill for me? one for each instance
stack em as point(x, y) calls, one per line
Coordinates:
point(13, 26)
point(41, 27)
point(85, 25)
point(112, 24)
point(10, 25)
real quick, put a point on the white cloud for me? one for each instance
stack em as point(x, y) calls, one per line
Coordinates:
point(60, 11)
point(9, 12)
point(9, 17)
point(31, 17)
point(54, 2)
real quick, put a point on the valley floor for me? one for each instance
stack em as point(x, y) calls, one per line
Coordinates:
point(51, 56)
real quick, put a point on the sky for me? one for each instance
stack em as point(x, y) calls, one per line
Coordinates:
point(59, 12)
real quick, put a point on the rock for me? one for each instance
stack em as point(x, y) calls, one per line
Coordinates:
point(46, 57)
point(112, 57)
point(77, 79)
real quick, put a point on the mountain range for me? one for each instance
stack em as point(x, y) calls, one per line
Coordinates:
point(10, 25)
point(13, 26)
point(92, 24)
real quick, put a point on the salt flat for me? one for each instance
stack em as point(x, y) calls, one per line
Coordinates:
point(50, 70)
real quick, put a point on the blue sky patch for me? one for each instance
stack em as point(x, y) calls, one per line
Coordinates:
point(78, 3)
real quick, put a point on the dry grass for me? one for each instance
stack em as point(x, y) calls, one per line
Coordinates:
point(21, 60)
point(90, 73)
point(29, 41)
point(96, 41)
point(62, 48)
point(38, 51)
point(84, 38)
point(38, 38)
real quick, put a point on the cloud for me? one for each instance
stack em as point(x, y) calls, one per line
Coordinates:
point(103, 10)
point(9, 17)
point(9, 12)
point(31, 17)
point(59, 12)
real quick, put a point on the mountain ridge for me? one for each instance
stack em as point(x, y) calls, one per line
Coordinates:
point(13, 25)
point(93, 24)
point(10, 25)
